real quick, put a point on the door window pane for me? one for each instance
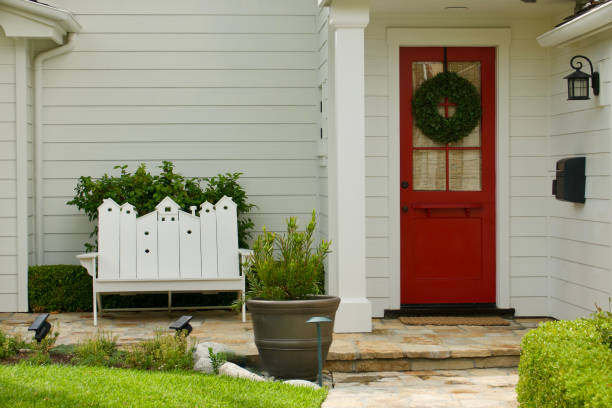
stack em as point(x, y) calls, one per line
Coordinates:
point(464, 170)
point(429, 170)
point(469, 70)
point(422, 71)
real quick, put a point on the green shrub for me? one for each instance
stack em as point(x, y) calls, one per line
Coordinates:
point(216, 359)
point(59, 288)
point(10, 345)
point(144, 191)
point(164, 352)
point(567, 364)
point(296, 273)
point(100, 350)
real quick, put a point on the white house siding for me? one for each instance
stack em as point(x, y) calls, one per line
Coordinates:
point(214, 86)
point(30, 113)
point(530, 188)
point(8, 188)
point(579, 240)
point(323, 83)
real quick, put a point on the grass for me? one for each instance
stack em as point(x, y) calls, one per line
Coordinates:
point(52, 386)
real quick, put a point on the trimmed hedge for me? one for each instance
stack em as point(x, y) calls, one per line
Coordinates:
point(67, 288)
point(567, 364)
point(59, 288)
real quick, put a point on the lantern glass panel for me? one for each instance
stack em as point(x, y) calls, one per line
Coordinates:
point(579, 88)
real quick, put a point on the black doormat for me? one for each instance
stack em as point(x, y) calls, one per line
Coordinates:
point(477, 309)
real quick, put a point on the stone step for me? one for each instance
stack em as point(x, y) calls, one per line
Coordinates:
point(359, 356)
point(420, 364)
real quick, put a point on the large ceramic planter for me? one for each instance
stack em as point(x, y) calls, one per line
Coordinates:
point(287, 345)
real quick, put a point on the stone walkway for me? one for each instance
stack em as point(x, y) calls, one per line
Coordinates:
point(392, 346)
point(475, 388)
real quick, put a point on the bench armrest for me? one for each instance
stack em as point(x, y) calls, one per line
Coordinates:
point(88, 261)
point(245, 252)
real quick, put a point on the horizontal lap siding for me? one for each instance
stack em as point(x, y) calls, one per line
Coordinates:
point(580, 270)
point(8, 187)
point(323, 83)
point(216, 86)
point(529, 179)
point(377, 177)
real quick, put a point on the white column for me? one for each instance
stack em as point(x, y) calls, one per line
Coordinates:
point(347, 165)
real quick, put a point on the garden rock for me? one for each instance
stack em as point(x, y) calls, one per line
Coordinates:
point(233, 370)
point(302, 383)
point(201, 358)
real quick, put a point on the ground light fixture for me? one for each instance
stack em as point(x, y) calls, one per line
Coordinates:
point(318, 320)
point(41, 327)
point(182, 324)
point(578, 81)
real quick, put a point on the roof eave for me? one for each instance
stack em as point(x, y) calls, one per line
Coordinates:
point(27, 19)
point(590, 23)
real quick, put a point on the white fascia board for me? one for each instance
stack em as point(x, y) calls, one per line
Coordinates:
point(26, 19)
point(586, 25)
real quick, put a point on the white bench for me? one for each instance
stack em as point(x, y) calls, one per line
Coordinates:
point(167, 250)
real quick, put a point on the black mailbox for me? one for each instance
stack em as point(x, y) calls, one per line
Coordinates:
point(569, 185)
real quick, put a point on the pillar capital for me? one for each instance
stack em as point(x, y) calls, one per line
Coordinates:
point(348, 13)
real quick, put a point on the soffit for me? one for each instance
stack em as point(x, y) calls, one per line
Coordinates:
point(509, 8)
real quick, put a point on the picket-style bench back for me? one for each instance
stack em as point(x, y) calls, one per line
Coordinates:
point(167, 243)
point(167, 250)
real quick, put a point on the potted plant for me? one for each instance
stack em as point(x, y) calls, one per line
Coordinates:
point(285, 275)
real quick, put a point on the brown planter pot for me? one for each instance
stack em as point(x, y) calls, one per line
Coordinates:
point(287, 345)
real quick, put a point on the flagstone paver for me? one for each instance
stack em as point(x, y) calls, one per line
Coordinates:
point(391, 345)
point(475, 388)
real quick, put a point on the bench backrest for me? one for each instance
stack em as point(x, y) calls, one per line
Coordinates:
point(168, 244)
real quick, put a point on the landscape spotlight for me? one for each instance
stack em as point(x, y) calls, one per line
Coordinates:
point(41, 326)
point(318, 320)
point(182, 324)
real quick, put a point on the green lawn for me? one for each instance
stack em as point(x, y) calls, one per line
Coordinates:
point(76, 386)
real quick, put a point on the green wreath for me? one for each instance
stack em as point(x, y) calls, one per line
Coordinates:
point(459, 91)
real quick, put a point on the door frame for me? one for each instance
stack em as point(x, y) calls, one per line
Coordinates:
point(453, 37)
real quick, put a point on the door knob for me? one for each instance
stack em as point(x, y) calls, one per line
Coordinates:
point(405, 208)
point(405, 184)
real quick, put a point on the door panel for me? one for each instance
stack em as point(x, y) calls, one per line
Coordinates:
point(448, 207)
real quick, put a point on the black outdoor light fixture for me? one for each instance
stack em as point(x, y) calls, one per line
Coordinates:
point(41, 327)
point(182, 324)
point(578, 81)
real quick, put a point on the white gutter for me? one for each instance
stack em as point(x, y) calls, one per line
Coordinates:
point(38, 136)
point(586, 25)
point(61, 16)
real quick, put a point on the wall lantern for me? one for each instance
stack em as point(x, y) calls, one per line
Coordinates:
point(578, 81)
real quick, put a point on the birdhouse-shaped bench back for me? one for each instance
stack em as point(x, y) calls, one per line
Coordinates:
point(168, 244)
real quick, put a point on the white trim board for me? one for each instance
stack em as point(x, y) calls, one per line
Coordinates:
point(454, 37)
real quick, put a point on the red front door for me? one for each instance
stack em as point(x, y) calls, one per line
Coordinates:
point(448, 190)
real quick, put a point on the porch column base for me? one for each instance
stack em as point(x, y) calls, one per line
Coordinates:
point(354, 315)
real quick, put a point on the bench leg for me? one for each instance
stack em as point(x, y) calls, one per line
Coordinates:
point(95, 308)
point(243, 309)
point(169, 302)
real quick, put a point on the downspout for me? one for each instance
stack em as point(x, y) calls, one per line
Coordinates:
point(38, 136)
